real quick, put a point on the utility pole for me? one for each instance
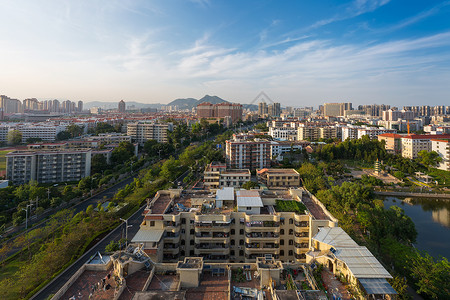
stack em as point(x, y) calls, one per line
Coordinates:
point(48, 193)
point(26, 215)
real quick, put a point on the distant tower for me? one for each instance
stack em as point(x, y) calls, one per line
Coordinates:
point(377, 167)
point(122, 106)
point(80, 106)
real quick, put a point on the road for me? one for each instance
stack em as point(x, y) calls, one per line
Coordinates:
point(109, 192)
point(135, 220)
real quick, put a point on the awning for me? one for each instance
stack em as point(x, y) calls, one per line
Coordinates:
point(377, 286)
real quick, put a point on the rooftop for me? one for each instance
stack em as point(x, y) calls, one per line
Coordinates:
point(272, 171)
point(191, 263)
point(91, 282)
point(248, 198)
point(211, 287)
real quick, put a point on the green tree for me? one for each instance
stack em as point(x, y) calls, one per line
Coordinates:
point(249, 185)
point(63, 135)
point(112, 246)
point(33, 140)
point(74, 130)
point(170, 169)
point(428, 158)
point(122, 153)
point(98, 163)
point(103, 127)
point(14, 137)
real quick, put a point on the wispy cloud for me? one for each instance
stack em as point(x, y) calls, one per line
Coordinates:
point(419, 17)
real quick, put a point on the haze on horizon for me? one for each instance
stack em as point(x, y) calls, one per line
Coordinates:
point(301, 53)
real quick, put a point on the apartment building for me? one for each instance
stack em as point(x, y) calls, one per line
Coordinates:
point(373, 132)
point(311, 133)
point(414, 143)
point(278, 148)
point(283, 133)
point(217, 176)
point(220, 110)
point(43, 131)
point(274, 178)
point(247, 154)
point(49, 166)
point(143, 131)
point(442, 147)
point(335, 109)
point(393, 142)
point(179, 223)
point(110, 138)
point(10, 106)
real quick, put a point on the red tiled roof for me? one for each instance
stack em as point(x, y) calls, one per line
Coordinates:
point(427, 136)
point(391, 135)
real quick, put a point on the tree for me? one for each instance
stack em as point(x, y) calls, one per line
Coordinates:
point(428, 158)
point(63, 135)
point(399, 175)
point(112, 246)
point(98, 163)
point(122, 153)
point(74, 130)
point(249, 185)
point(14, 137)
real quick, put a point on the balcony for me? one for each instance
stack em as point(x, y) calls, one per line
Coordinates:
point(262, 235)
point(301, 245)
point(304, 234)
point(301, 224)
point(262, 245)
point(211, 224)
point(254, 224)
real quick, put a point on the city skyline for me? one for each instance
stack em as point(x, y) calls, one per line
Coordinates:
point(299, 53)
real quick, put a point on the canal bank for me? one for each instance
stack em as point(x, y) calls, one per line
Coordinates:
point(432, 220)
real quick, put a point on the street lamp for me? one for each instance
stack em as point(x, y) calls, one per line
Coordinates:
point(126, 230)
point(26, 215)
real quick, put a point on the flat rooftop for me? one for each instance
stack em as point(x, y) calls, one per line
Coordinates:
point(162, 282)
point(211, 287)
point(278, 171)
point(90, 282)
point(316, 211)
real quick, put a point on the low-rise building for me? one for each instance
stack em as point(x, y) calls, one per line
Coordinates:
point(278, 148)
point(283, 133)
point(234, 177)
point(273, 178)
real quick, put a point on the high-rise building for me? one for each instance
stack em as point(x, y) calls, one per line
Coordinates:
point(122, 106)
point(274, 109)
point(80, 106)
point(243, 154)
point(336, 109)
point(56, 106)
point(262, 109)
point(10, 106)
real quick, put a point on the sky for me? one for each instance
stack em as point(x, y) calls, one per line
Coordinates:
point(300, 53)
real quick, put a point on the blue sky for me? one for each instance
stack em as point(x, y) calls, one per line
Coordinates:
point(301, 53)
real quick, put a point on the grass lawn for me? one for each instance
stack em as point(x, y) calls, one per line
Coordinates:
point(290, 205)
point(3, 159)
point(441, 176)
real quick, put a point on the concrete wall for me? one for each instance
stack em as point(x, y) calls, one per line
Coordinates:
point(69, 283)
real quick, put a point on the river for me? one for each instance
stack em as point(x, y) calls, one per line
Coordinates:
point(432, 220)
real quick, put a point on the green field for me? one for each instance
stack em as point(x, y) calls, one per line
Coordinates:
point(3, 159)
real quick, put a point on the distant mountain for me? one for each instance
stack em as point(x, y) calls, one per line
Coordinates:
point(211, 99)
point(182, 103)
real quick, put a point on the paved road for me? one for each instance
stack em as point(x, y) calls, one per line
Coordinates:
point(135, 220)
point(109, 192)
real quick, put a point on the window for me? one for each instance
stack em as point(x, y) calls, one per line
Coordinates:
point(241, 242)
point(241, 252)
point(291, 252)
point(281, 242)
point(191, 242)
point(182, 242)
point(232, 252)
point(291, 242)
point(232, 242)
point(291, 221)
point(249, 208)
point(232, 231)
point(152, 223)
point(191, 253)
point(291, 231)
point(192, 231)
point(282, 252)
point(241, 231)
point(183, 231)
point(282, 231)
point(183, 221)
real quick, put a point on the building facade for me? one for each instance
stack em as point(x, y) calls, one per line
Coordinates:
point(274, 178)
point(246, 154)
point(143, 131)
point(48, 166)
point(442, 147)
